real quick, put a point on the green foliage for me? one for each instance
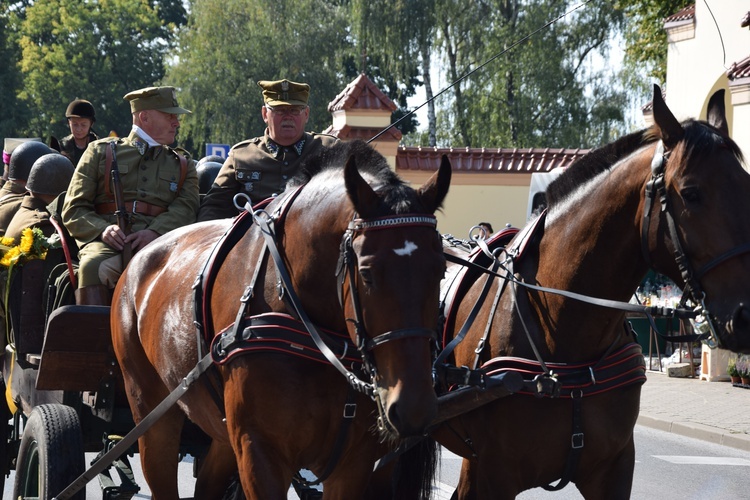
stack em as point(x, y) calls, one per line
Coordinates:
point(646, 40)
point(97, 50)
point(230, 45)
point(543, 92)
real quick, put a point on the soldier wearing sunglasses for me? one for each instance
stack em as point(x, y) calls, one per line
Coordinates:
point(260, 167)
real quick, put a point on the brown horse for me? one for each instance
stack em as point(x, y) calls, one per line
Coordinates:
point(355, 230)
point(673, 197)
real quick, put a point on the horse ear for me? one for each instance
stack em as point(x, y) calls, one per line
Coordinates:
point(716, 114)
point(433, 192)
point(669, 127)
point(363, 197)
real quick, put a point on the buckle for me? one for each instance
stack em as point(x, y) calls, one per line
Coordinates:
point(576, 440)
point(350, 410)
point(135, 207)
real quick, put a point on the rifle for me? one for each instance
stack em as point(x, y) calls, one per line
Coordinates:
point(123, 219)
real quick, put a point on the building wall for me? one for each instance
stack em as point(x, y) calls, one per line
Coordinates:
point(697, 66)
point(499, 199)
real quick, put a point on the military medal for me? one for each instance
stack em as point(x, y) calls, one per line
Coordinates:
point(173, 186)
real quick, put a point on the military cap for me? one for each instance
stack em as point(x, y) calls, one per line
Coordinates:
point(158, 98)
point(284, 93)
point(50, 174)
point(80, 108)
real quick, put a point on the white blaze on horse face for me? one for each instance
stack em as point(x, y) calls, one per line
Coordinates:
point(407, 249)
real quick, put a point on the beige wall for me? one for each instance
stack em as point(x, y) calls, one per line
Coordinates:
point(478, 197)
point(697, 65)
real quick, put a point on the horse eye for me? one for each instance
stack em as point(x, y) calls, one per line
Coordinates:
point(691, 195)
point(366, 274)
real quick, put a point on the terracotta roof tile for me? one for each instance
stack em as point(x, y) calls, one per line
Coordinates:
point(510, 160)
point(349, 133)
point(361, 94)
point(739, 69)
point(686, 14)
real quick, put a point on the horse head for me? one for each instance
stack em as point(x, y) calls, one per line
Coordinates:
point(702, 241)
point(390, 295)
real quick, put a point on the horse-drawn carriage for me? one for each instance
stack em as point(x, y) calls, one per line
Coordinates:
point(355, 250)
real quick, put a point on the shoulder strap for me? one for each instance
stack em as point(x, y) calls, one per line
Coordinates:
point(108, 179)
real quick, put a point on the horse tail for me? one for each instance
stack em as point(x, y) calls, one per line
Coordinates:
point(415, 471)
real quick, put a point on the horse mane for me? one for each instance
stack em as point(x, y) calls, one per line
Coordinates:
point(700, 138)
point(395, 192)
point(594, 163)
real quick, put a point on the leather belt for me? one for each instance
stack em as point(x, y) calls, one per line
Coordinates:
point(133, 207)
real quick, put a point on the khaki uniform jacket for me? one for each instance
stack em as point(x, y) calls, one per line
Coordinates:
point(32, 213)
point(11, 196)
point(151, 177)
point(69, 149)
point(259, 168)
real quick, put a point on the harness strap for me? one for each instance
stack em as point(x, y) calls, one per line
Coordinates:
point(264, 223)
point(350, 411)
point(66, 251)
point(576, 445)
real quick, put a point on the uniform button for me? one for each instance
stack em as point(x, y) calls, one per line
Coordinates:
point(142, 194)
point(143, 167)
point(144, 178)
point(284, 177)
point(286, 163)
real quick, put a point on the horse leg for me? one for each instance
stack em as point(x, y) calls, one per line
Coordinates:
point(613, 480)
point(349, 481)
point(215, 471)
point(159, 448)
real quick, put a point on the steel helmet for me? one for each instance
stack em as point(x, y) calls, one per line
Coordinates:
point(50, 174)
point(80, 109)
point(23, 158)
point(207, 173)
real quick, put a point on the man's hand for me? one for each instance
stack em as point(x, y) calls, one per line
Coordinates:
point(140, 239)
point(116, 238)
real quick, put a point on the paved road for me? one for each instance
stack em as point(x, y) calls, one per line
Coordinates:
point(668, 467)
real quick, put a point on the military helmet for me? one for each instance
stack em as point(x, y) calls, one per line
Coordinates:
point(80, 109)
point(207, 173)
point(216, 158)
point(23, 158)
point(50, 174)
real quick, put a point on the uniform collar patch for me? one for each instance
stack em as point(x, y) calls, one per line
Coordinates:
point(275, 149)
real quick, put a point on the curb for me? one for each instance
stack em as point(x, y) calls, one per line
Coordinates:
point(698, 431)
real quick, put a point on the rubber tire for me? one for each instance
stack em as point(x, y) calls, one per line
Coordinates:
point(51, 454)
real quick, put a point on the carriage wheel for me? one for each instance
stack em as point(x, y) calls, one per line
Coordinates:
point(51, 454)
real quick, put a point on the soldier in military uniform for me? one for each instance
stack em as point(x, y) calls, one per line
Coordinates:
point(159, 186)
point(14, 190)
point(49, 176)
point(261, 167)
point(81, 117)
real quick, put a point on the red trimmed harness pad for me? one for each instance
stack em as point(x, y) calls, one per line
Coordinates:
point(279, 332)
point(620, 369)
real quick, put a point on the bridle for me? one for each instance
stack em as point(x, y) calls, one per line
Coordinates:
point(704, 323)
point(347, 267)
point(348, 262)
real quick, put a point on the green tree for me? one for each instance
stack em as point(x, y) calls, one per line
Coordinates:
point(645, 37)
point(97, 50)
point(544, 91)
point(230, 45)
